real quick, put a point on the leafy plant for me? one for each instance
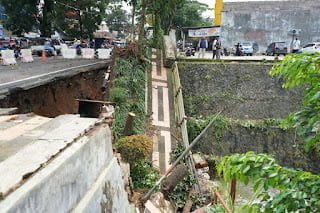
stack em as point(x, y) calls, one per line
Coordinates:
point(129, 95)
point(196, 125)
point(134, 148)
point(176, 152)
point(143, 175)
point(303, 70)
point(218, 208)
point(181, 191)
point(119, 95)
point(298, 191)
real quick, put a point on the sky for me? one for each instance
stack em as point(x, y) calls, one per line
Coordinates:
point(210, 3)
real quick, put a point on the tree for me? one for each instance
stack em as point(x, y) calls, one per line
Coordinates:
point(45, 18)
point(303, 70)
point(297, 191)
point(116, 18)
point(134, 4)
point(190, 15)
point(22, 15)
point(79, 18)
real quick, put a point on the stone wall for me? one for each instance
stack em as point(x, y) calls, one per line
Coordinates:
point(270, 21)
point(285, 146)
point(238, 90)
point(250, 101)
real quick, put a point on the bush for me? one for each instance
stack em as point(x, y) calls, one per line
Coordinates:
point(128, 94)
point(143, 175)
point(119, 95)
point(134, 148)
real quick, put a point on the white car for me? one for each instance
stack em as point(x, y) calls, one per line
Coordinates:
point(311, 48)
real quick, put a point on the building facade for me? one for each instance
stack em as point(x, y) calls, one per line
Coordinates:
point(270, 21)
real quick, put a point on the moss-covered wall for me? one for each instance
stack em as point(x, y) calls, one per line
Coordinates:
point(227, 137)
point(249, 101)
point(239, 90)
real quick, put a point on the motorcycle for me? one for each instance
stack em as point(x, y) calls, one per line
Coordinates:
point(190, 51)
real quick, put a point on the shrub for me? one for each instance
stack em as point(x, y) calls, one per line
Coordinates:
point(119, 95)
point(134, 148)
point(143, 175)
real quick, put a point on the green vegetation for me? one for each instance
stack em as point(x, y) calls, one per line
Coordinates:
point(215, 209)
point(135, 148)
point(128, 95)
point(176, 152)
point(222, 124)
point(78, 18)
point(303, 70)
point(196, 125)
point(297, 191)
point(143, 175)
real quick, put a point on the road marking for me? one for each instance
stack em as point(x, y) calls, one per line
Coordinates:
point(46, 74)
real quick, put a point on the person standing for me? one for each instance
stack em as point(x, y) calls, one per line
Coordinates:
point(214, 48)
point(296, 45)
point(202, 45)
point(218, 48)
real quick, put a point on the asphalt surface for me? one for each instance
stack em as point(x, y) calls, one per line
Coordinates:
point(27, 75)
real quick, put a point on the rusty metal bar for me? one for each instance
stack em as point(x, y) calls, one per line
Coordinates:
point(220, 199)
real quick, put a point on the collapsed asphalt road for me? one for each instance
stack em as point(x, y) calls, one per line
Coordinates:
point(28, 75)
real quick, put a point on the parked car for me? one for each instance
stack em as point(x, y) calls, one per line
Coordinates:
point(313, 47)
point(277, 48)
point(249, 48)
point(5, 42)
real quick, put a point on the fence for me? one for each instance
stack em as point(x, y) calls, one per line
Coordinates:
point(181, 119)
point(180, 116)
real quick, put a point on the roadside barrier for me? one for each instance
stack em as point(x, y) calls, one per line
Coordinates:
point(104, 53)
point(26, 55)
point(8, 57)
point(69, 53)
point(87, 53)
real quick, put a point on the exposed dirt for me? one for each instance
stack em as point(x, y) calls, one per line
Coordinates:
point(59, 96)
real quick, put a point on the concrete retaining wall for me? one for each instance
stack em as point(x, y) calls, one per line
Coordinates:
point(85, 176)
point(239, 90)
point(283, 145)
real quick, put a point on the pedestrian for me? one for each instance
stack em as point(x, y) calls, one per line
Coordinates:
point(296, 45)
point(214, 48)
point(218, 48)
point(238, 49)
point(202, 45)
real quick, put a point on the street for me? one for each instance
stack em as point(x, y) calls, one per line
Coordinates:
point(208, 55)
point(28, 74)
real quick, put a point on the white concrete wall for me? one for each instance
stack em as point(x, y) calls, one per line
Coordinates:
point(64, 184)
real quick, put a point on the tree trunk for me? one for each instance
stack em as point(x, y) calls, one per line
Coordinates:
point(173, 179)
point(132, 21)
point(128, 128)
point(45, 22)
point(80, 24)
point(141, 27)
